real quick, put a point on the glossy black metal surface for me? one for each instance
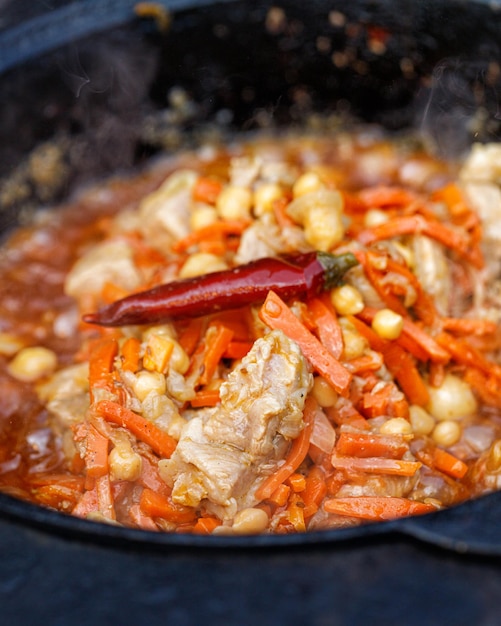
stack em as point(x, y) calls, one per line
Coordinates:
point(94, 94)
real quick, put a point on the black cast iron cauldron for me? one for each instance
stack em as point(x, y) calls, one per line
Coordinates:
point(96, 78)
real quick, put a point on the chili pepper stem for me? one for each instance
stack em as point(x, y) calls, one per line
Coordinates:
point(335, 266)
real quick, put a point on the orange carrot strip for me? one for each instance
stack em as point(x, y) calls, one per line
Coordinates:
point(129, 353)
point(295, 513)
point(449, 464)
point(383, 196)
point(375, 465)
point(277, 315)
point(215, 230)
point(367, 362)
point(57, 496)
point(296, 455)
point(314, 491)
point(399, 362)
point(485, 386)
point(206, 189)
point(403, 368)
point(205, 397)
point(377, 508)
point(280, 496)
point(190, 335)
point(96, 453)
point(328, 328)
point(140, 520)
point(158, 440)
point(465, 354)
point(297, 482)
point(418, 225)
point(205, 525)
point(101, 358)
point(414, 334)
point(155, 505)
point(218, 339)
point(279, 207)
point(469, 326)
point(111, 292)
point(365, 445)
point(76, 483)
point(237, 349)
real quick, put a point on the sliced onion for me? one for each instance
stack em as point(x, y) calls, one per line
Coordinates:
point(323, 435)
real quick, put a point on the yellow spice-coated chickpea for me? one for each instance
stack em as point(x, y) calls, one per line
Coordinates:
point(202, 263)
point(32, 363)
point(396, 426)
point(264, 196)
point(306, 183)
point(446, 433)
point(421, 421)
point(234, 203)
point(347, 300)
point(323, 393)
point(388, 324)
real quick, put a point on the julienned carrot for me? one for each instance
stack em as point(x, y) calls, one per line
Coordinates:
point(218, 339)
point(296, 456)
point(384, 196)
point(206, 189)
point(130, 354)
point(403, 368)
point(280, 496)
point(377, 508)
point(418, 225)
point(140, 520)
point(111, 292)
point(295, 513)
point(190, 335)
point(158, 440)
point(96, 453)
point(155, 505)
point(414, 334)
point(237, 349)
point(277, 315)
point(399, 363)
point(205, 397)
point(375, 465)
point(328, 328)
point(371, 445)
point(279, 208)
point(102, 355)
point(205, 525)
point(216, 230)
point(449, 464)
point(314, 491)
point(57, 496)
point(485, 386)
point(372, 361)
point(465, 326)
point(297, 482)
point(386, 400)
point(465, 354)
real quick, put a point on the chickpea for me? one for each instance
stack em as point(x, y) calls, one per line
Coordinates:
point(446, 433)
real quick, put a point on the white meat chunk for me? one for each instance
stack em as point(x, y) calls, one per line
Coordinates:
point(264, 238)
point(110, 261)
point(66, 395)
point(432, 270)
point(223, 455)
point(164, 214)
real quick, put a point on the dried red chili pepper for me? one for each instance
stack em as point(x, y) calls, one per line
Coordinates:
point(294, 276)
